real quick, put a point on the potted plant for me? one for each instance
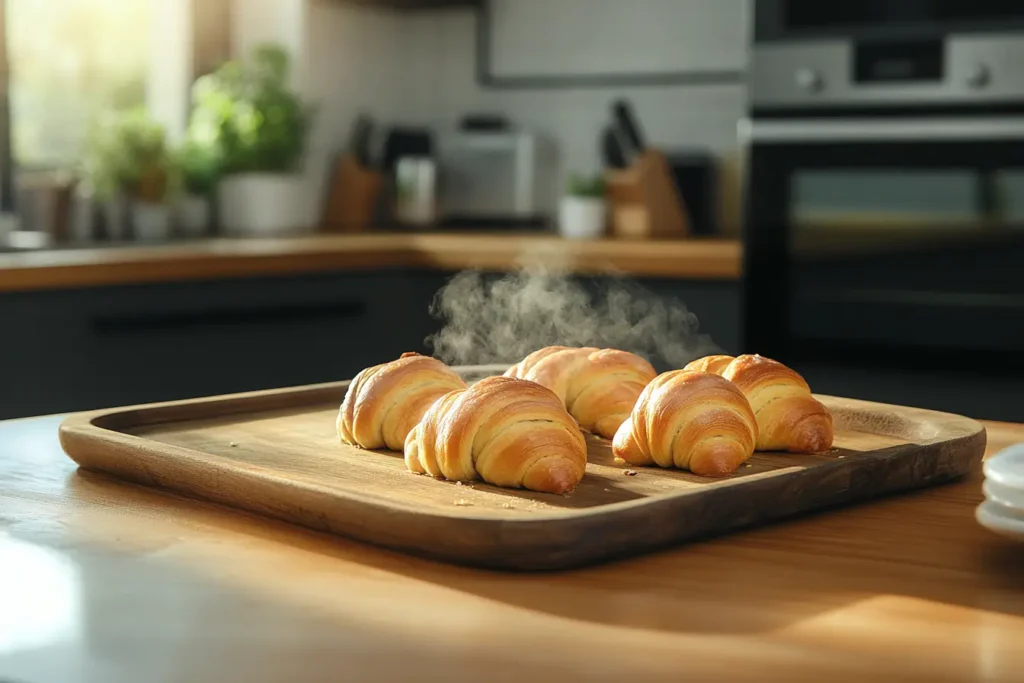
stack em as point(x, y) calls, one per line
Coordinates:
point(258, 126)
point(102, 180)
point(129, 160)
point(581, 213)
point(199, 168)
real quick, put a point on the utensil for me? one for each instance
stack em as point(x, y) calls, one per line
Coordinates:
point(611, 150)
point(631, 139)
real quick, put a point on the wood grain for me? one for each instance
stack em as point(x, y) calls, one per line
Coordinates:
point(114, 582)
point(235, 258)
point(275, 453)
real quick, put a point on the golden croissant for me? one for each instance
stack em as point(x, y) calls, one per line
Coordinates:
point(508, 432)
point(691, 420)
point(789, 418)
point(384, 403)
point(597, 386)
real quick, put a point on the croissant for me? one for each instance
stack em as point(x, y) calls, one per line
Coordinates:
point(384, 403)
point(789, 418)
point(506, 431)
point(692, 420)
point(598, 386)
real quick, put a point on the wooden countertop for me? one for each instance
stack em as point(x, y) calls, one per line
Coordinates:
point(698, 259)
point(107, 581)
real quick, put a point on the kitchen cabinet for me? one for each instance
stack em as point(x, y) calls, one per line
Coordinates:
point(91, 348)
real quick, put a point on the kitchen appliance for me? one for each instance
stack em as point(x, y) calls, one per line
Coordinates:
point(884, 216)
point(499, 178)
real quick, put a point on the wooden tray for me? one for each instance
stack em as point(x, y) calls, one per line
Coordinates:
point(276, 453)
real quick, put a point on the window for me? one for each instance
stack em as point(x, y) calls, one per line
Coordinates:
point(70, 61)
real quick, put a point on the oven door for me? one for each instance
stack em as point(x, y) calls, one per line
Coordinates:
point(895, 240)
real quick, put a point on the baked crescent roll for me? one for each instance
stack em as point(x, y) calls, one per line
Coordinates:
point(508, 432)
point(788, 417)
point(716, 365)
point(597, 386)
point(691, 420)
point(384, 403)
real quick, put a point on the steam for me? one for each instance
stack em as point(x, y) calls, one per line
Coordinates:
point(490, 319)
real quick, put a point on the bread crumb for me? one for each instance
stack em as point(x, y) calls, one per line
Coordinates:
point(748, 465)
point(841, 457)
point(507, 506)
point(233, 444)
point(458, 483)
point(630, 473)
point(462, 501)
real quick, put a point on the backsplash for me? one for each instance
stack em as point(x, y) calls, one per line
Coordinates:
point(420, 68)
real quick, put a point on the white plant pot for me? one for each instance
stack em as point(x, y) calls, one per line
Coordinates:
point(83, 217)
point(581, 217)
point(115, 215)
point(194, 215)
point(262, 204)
point(152, 222)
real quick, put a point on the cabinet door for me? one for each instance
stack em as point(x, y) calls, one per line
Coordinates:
point(86, 349)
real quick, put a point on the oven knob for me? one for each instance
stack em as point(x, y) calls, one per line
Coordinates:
point(809, 80)
point(979, 76)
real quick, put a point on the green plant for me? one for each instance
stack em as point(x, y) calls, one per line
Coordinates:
point(199, 167)
point(250, 116)
point(580, 185)
point(127, 152)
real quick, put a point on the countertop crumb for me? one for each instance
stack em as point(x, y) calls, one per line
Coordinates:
point(748, 465)
point(233, 444)
point(630, 473)
point(507, 506)
point(458, 483)
point(462, 502)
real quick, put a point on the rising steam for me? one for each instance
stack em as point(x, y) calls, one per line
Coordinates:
point(490, 319)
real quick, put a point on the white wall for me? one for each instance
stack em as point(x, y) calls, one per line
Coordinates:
point(419, 68)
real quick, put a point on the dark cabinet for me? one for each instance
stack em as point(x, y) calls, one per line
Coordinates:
point(93, 348)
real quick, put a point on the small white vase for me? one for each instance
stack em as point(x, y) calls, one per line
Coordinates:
point(152, 222)
point(262, 204)
point(581, 217)
point(115, 216)
point(82, 216)
point(194, 215)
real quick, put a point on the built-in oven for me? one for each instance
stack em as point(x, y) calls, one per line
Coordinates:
point(884, 216)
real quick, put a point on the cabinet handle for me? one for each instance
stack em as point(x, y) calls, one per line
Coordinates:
point(227, 316)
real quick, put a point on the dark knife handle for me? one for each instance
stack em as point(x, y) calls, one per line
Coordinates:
point(626, 122)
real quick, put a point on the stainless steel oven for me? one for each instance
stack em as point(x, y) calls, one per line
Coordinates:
point(884, 212)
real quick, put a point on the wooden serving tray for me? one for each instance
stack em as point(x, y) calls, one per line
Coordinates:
point(276, 453)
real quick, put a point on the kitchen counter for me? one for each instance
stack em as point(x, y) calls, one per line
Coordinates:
point(113, 582)
point(698, 259)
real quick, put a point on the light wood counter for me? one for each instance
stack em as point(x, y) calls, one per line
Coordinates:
point(254, 257)
point(107, 581)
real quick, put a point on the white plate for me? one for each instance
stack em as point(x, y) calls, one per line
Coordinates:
point(1007, 467)
point(995, 517)
point(1004, 495)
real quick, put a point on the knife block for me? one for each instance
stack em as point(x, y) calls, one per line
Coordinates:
point(352, 197)
point(643, 200)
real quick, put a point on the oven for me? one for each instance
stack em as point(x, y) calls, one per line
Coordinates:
point(884, 214)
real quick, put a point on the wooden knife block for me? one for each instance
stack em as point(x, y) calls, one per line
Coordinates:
point(352, 197)
point(643, 200)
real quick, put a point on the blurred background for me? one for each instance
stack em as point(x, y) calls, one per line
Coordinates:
point(209, 196)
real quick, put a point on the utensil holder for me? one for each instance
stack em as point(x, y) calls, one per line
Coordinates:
point(643, 200)
point(352, 197)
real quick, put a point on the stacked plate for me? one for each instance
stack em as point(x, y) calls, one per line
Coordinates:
point(1003, 509)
